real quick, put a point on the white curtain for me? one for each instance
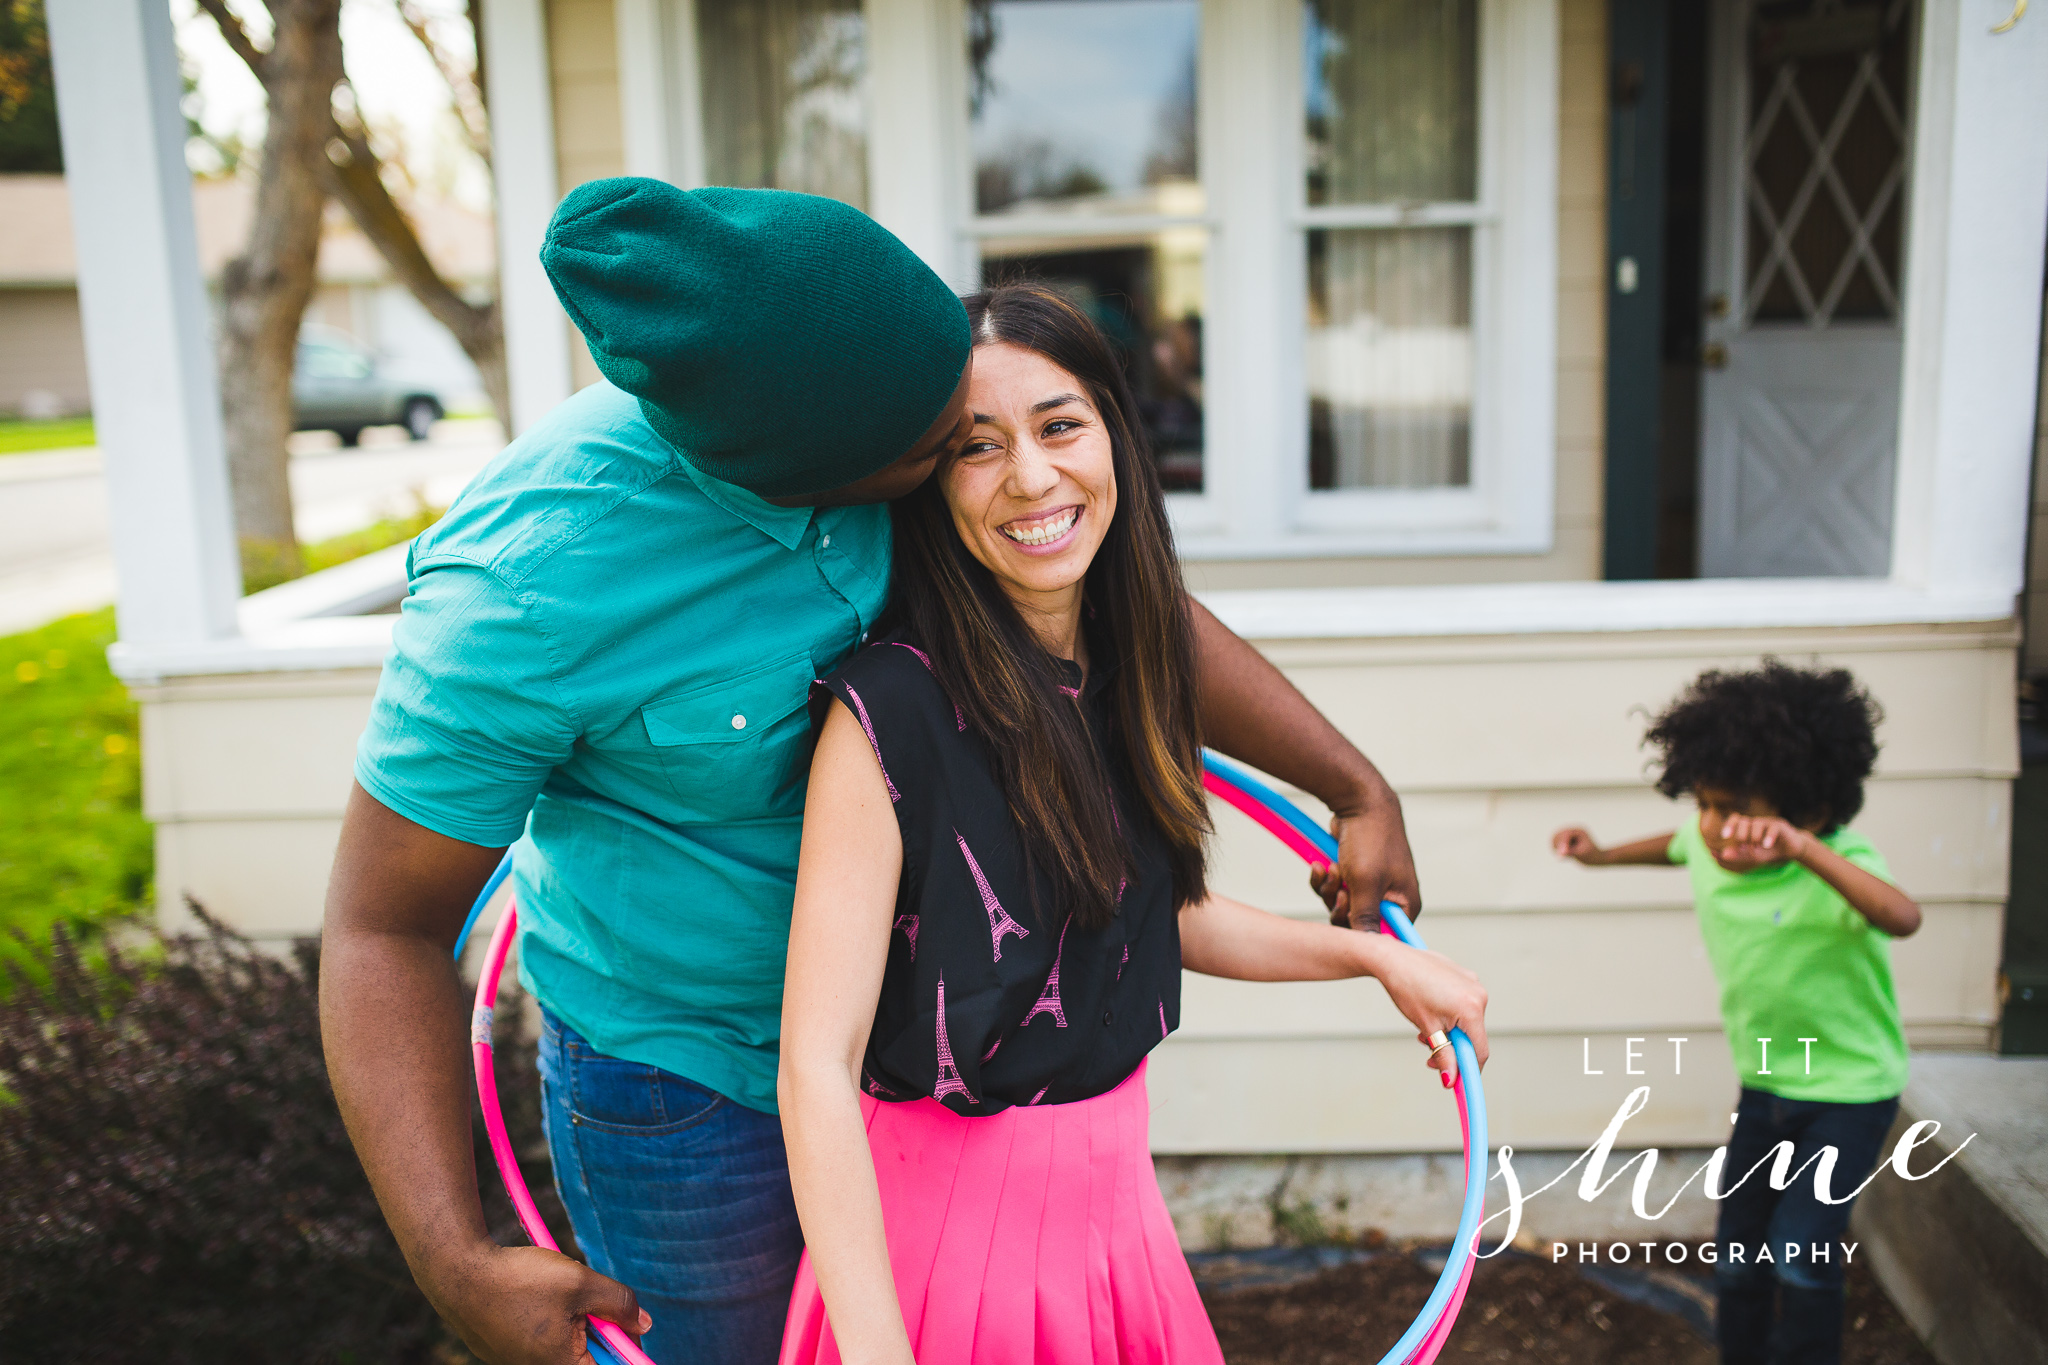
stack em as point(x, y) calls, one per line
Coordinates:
point(1392, 119)
point(1390, 358)
point(784, 97)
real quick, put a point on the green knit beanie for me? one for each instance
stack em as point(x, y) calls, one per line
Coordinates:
point(783, 342)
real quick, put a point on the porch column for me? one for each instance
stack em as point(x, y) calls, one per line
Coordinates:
point(1976, 235)
point(523, 164)
point(156, 393)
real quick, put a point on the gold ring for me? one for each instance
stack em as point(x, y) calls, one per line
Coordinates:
point(1438, 1042)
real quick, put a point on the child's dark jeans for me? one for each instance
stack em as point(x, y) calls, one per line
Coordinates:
point(1785, 1307)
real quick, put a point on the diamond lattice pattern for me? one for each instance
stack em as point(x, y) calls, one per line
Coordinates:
point(1824, 160)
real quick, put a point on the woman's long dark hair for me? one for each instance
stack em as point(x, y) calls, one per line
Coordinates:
point(1007, 685)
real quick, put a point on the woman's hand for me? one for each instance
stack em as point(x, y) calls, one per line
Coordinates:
point(1434, 993)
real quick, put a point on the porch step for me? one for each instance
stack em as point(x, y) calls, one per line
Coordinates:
point(1964, 1254)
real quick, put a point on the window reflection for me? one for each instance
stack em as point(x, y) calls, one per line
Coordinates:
point(1084, 106)
point(784, 98)
point(1146, 295)
point(1393, 100)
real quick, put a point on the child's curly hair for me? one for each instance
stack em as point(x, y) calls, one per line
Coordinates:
point(1802, 739)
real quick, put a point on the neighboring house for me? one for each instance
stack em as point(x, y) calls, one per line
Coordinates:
point(1448, 315)
point(42, 349)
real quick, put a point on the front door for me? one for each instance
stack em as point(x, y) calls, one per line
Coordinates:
point(1808, 119)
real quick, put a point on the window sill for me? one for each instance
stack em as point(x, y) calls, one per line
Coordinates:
point(1587, 608)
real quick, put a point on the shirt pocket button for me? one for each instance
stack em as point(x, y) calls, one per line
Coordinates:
point(739, 722)
point(1106, 1017)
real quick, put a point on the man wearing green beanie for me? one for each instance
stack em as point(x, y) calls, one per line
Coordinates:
point(604, 657)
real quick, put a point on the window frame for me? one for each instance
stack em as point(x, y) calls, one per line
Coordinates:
point(1508, 506)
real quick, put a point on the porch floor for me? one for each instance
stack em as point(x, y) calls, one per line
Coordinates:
point(1965, 1253)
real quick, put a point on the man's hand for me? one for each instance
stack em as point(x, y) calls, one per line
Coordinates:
point(1374, 864)
point(526, 1305)
point(1749, 842)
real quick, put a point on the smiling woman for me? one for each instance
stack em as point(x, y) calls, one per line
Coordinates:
point(1022, 739)
point(1049, 513)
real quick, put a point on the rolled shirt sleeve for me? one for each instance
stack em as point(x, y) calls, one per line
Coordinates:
point(469, 717)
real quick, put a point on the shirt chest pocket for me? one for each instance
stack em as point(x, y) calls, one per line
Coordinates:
point(735, 750)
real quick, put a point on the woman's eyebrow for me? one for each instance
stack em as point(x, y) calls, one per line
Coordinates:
point(1046, 405)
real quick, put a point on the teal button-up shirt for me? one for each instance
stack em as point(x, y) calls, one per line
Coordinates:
point(609, 653)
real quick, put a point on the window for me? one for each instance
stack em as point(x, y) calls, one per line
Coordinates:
point(1391, 108)
point(1322, 232)
point(1082, 124)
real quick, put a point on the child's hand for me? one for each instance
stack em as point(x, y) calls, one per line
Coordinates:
point(1576, 844)
point(1749, 842)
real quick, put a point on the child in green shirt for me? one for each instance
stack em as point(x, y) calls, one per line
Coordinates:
point(1798, 912)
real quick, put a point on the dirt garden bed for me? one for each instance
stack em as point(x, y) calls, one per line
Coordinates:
point(1520, 1308)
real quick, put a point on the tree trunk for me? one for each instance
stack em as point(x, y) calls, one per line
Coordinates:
point(264, 291)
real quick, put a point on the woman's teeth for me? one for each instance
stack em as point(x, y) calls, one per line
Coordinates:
point(1042, 532)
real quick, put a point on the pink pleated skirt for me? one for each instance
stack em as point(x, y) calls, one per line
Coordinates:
point(1036, 1236)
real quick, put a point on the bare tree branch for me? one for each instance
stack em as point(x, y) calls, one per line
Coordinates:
point(462, 85)
point(236, 35)
point(355, 177)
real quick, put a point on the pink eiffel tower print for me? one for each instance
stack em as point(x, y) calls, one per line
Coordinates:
point(999, 921)
point(1049, 998)
point(949, 1082)
point(860, 709)
point(908, 924)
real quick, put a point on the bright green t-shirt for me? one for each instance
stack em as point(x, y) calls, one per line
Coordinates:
point(1796, 961)
point(609, 653)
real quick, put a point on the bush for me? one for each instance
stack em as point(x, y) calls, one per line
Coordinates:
point(175, 1182)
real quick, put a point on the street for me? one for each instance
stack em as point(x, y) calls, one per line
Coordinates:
point(54, 552)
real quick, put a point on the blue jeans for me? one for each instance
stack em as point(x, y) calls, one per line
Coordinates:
point(677, 1192)
point(1788, 1310)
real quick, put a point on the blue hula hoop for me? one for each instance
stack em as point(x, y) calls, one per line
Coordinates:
point(1468, 1063)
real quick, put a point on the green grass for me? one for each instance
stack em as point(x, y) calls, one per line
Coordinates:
point(74, 848)
point(20, 437)
point(260, 572)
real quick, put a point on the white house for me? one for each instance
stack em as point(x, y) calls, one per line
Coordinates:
point(1450, 316)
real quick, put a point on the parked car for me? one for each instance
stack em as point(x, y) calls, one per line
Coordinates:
point(337, 387)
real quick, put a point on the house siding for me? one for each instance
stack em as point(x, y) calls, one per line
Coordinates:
point(590, 138)
point(1493, 741)
point(42, 348)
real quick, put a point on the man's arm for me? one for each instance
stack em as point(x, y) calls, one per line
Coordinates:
point(394, 1022)
point(1252, 713)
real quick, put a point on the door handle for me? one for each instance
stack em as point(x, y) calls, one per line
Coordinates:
point(1714, 356)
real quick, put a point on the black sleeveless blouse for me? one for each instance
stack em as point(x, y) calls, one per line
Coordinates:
point(985, 1002)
